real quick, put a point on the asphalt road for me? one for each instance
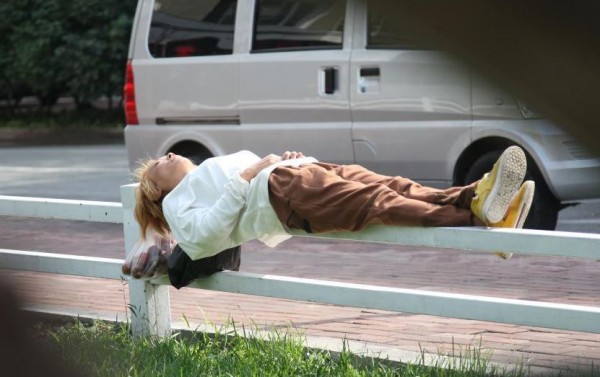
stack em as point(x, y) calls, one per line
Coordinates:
point(96, 172)
point(74, 172)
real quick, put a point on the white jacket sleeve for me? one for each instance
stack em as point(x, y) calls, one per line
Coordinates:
point(205, 231)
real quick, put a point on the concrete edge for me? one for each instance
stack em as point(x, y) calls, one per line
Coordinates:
point(20, 137)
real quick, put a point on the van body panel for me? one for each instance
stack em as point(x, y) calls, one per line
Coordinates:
point(176, 89)
point(282, 98)
point(424, 151)
point(491, 102)
point(413, 115)
point(412, 107)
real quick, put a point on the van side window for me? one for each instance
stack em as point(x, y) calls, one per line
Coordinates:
point(380, 34)
point(292, 25)
point(183, 28)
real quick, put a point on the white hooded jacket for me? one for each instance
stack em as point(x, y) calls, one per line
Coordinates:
point(213, 208)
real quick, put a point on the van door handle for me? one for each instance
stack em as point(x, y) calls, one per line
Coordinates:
point(331, 80)
point(369, 72)
point(369, 80)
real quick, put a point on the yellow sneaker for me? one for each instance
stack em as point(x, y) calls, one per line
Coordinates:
point(504, 254)
point(519, 207)
point(517, 212)
point(495, 190)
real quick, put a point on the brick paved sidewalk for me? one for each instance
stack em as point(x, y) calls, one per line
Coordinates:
point(561, 280)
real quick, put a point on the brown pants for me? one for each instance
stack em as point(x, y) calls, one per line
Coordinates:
point(324, 197)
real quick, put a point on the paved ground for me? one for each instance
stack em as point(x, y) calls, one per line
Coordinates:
point(562, 280)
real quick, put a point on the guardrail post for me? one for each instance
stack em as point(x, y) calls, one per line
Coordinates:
point(149, 303)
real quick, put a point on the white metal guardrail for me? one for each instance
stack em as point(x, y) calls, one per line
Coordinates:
point(151, 298)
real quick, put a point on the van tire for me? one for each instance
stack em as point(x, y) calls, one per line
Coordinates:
point(192, 150)
point(199, 158)
point(544, 209)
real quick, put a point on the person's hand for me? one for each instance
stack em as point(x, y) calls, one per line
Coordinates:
point(148, 258)
point(256, 168)
point(291, 155)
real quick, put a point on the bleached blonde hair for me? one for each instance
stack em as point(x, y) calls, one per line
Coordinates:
point(148, 203)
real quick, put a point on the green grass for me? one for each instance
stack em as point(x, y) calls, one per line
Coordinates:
point(103, 349)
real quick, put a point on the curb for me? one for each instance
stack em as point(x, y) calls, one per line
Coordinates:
point(20, 137)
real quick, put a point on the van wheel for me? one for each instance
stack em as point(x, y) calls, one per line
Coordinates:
point(199, 158)
point(192, 150)
point(544, 209)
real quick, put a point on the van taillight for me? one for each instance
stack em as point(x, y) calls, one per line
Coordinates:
point(129, 94)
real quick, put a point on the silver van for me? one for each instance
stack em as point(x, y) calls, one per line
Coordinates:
point(326, 77)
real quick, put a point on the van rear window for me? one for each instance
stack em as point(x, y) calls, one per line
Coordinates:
point(182, 28)
point(291, 25)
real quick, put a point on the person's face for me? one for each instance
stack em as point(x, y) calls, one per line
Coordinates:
point(166, 172)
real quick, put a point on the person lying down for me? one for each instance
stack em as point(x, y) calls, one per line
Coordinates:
point(196, 216)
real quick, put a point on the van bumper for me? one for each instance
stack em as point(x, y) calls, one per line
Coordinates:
point(575, 180)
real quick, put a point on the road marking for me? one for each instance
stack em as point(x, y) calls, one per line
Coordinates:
point(51, 170)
